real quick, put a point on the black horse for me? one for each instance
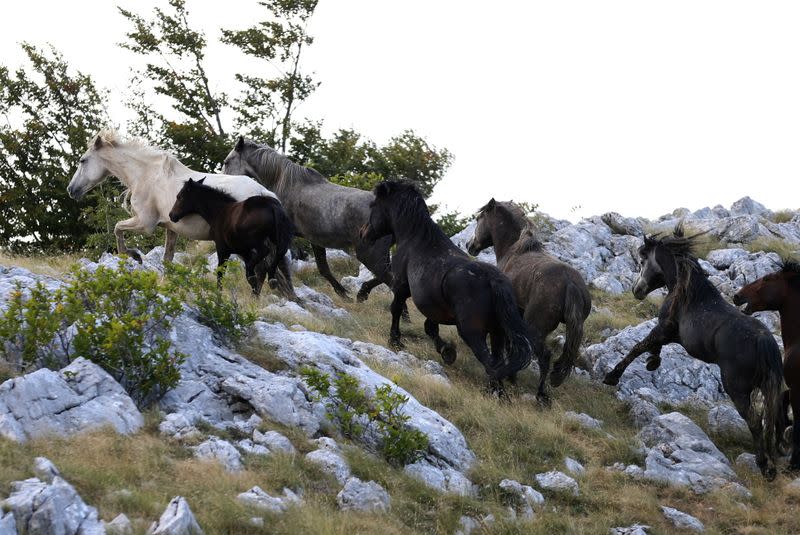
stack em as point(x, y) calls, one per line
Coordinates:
point(695, 315)
point(448, 287)
point(245, 228)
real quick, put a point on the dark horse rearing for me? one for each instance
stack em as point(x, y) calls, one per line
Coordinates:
point(695, 315)
point(241, 228)
point(326, 214)
point(447, 286)
point(548, 290)
point(781, 291)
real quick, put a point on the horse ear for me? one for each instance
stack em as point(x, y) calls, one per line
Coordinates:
point(382, 189)
point(491, 203)
point(239, 144)
point(98, 142)
point(201, 180)
point(190, 182)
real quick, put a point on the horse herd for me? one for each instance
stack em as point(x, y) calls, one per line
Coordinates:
point(263, 199)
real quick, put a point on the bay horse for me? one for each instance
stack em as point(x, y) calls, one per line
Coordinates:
point(547, 290)
point(153, 178)
point(696, 316)
point(243, 228)
point(326, 214)
point(449, 287)
point(781, 291)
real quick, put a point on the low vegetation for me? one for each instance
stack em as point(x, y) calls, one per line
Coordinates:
point(782, 248)
point(137, 475)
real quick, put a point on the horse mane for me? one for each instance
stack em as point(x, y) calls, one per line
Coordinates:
point(273, 163)
point(109, 136)
point(528, 242)
point(682, 249)
point(791, 266)
point(211, 191)
point(409, 205)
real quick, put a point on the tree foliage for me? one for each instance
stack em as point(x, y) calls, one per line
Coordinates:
point(175, 69)
point(51, 111)
point(267, 105)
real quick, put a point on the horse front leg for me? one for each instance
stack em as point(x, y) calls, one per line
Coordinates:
point(401, 294)
point(135, 224)
point(324, 269)
point(652, 343)
point(169, 246)
point(445, 349)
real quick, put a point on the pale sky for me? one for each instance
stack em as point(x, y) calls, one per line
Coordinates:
point(633, 106)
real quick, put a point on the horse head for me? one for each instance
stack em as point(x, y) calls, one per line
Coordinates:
point(482, 237)
point(185, 201)
point(766, 293)
point(237, 162)
point(92, 168)
point(379, 223)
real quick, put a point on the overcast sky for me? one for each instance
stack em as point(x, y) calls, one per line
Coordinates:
point(580, 106)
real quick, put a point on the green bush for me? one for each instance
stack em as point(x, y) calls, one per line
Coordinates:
point(120, 320)
point(452, 223)
point(218, 307)
point(348, 405)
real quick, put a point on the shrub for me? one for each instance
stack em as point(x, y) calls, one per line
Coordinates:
point(452, 223)
point(218, 307)
point(117, 319)
point(349, 406)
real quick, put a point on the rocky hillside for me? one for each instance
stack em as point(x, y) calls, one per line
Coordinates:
point(244, 443)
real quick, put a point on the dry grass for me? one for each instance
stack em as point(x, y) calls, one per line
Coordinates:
point(782, 248)
point(514, 439)
point(782, 216)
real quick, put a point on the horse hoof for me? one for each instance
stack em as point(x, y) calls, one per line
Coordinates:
point(133, 253)
point(449, 354)
point(273, 283)
point(653, 364)
point(396, 344)
point(770, 473)
point(544, 400)
point(559, 375)
point(361, 297)
point(611, 380)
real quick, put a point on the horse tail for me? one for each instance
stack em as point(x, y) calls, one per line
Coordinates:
point(769, 371)
point(280, 235)
point(576, 302)
point(517, 346)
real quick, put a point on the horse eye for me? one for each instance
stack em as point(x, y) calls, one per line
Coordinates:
point(82, 160)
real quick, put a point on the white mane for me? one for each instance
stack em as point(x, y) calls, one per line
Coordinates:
point(139, 149)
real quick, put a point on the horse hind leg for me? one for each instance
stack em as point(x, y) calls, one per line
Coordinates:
point(794, 400)
point(744, 407)
point(324, 269)
point(476, 340)
point(446, 349)
point(376, 258)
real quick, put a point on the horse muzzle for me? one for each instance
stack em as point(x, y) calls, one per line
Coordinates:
point(640, 291)
point(174, 217)
point(740, 300)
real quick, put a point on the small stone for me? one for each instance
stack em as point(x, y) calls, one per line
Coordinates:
point(177, 519)
point(525, 498)
point(257, 521)
point(636, 529)
point(466, 525)
point(364, 496)
point(574, 466)
point(557, 481)
point(258, 498)
point(274, 441)
point(331, 462)
point(682, 520)
point(121, 525)
point(220, 450)
point(583, 419)
point(748, 462)
point(45, 470)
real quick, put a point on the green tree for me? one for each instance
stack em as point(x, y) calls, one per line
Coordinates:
point(266, 108)
point(51, 111)
point(347, 158)
point(176, 69)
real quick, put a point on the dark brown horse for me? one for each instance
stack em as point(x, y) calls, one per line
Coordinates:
point(781, 291)
point(548, 290)
point(448, 287)
point(244, 228)
point(695, 315)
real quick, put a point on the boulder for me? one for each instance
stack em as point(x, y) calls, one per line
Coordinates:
point(622, 225)
point(574, 466)
point(274, 442)
point(681, 454)
point(682, 520)
point(121, 525)
point(443, 479)
point(51, 506)
point(80, 397)
point(177, 519)
point(330, 459)
point(724, 419)
point(365, 496)
point(584, 420)
point(747, 206)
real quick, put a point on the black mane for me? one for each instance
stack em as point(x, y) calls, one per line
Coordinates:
point(210, 191)
point(408, 206)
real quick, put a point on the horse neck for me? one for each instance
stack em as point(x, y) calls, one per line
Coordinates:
point(421, 229)
point(132, 165)
point(695, 286)
point(209, 206)
point(790, 318)
point(505, 234)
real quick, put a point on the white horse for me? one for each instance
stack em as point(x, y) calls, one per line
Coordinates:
point(153, 178)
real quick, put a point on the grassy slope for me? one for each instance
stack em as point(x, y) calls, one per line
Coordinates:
point(512, 440)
